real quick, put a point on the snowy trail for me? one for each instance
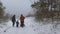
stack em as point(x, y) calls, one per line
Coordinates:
point(14, 30)
point(31, 27)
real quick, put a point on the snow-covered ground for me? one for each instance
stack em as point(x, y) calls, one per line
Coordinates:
point(31, 27)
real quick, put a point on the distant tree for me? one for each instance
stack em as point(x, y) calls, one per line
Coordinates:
point(3, 17)
point(1, 10)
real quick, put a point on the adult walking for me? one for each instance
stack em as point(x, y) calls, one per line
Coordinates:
point(13, 20)
point(22, 20)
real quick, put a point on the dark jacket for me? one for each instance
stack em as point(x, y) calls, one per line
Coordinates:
point(13, 18)
point(17, 22)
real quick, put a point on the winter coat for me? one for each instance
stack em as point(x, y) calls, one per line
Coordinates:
point(17, 22)
point(22, 18)
point(13, 18)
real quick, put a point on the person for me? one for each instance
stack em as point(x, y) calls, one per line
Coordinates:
point(17, 23)
point(13, 20)
point(22, 20)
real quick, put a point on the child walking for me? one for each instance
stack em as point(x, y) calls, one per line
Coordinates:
point(17, 23)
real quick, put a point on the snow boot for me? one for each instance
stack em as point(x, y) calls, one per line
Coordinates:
point(22, 25)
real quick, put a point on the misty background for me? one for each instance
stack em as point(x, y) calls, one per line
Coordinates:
point(18, 7)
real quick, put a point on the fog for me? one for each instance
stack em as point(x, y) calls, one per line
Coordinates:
point(18, 7)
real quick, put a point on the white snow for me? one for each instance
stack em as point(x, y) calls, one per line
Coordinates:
point(31, 27)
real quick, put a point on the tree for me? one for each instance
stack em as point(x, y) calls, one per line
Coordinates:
point(3, 17)
point(1, 10)
point(43, 10)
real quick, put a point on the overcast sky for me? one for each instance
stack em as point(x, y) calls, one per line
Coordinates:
point(18, 6)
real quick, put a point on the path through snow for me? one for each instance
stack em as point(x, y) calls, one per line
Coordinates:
point(31, 27)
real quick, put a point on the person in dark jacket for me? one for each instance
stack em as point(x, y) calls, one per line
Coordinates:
point(22, 20)
point(13, 20)
point(17, 23)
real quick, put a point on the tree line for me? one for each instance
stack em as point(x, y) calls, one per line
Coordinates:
point(47, 9)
